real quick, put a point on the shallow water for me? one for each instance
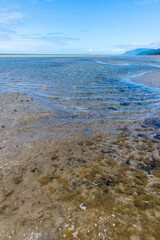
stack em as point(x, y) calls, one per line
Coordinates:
point(88, 184)
point(85, 93)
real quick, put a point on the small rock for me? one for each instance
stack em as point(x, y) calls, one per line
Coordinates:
point(17, 180)
point(44, 238)
point(82, 206)
point(75, 234)
point(157, 136)
point(71, 228)
point(81, 161)
point(112, 108)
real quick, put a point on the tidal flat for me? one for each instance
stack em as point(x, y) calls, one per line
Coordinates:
point(79, 149)
point(101, 187)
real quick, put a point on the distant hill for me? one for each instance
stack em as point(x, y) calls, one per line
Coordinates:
point(137, 51)
point(143, 51)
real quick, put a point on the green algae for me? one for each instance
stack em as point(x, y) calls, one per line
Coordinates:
point(44, 180)
point(118, 195)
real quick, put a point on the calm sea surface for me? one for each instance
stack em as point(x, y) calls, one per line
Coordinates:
point(85, 91)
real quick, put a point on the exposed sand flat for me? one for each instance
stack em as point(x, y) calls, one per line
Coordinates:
point(151, 79)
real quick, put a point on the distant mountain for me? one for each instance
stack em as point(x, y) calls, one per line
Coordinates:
point(143, 51)
point(150, 52)
point(156, 53)
point(138, 51)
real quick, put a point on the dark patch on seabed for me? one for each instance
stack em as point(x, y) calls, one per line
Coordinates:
point(153, 122)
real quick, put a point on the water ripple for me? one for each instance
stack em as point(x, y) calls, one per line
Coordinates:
point(95, 89)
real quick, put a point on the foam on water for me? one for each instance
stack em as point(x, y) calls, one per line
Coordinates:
point(120, 64)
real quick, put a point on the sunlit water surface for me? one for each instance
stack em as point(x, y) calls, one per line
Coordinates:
point(85, 93)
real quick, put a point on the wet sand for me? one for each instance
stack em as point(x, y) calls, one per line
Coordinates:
point(98, 186)
point(85, 188)
point(151, 79)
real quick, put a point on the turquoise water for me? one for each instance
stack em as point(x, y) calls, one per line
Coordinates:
point(90, 91)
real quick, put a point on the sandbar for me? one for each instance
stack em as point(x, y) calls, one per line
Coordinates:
point(151, 79)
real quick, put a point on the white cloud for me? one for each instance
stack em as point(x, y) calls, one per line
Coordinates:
point(19, 44)
point(7, 17)
point(116, 50)
point(124, 48)
point(12, 42)
point(133, 46)
point(141, 45)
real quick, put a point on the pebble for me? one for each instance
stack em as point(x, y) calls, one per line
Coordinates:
point(82, 206)
point(71, 228)
point(75, 234)
point(44, 238)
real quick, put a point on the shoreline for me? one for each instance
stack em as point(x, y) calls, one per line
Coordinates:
point(75, 55)
point(52, 55)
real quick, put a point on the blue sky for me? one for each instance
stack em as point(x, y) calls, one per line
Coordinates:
point(78, 26)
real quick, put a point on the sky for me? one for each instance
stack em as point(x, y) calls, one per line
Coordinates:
point(78, 26)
